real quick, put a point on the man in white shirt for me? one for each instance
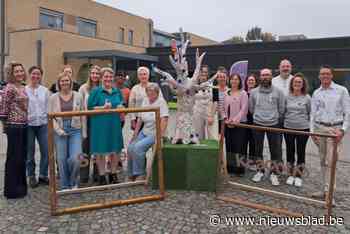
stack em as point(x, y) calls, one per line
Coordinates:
point(282, 81)
point(330, 114)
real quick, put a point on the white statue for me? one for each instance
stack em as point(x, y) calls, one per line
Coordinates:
point(185, 89)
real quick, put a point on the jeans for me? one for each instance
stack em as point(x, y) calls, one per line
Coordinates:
point(275, 146)
point(39, 133)
point(69, 149)
point(137, 154)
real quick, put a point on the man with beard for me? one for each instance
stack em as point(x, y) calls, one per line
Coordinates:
point(267, 104)
point(283, 80)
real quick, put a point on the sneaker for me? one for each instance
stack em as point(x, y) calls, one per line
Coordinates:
point(258, 177)
point(291, 180)
point(33, 183)
point(298, 182)
point(274, 180)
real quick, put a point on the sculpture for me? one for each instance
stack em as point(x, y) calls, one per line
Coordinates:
point(185, 89)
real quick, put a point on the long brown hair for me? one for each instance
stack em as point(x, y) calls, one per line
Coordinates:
point(10, 78)
point(305, 87)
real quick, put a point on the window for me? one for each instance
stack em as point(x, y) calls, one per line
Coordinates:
point(121, 35)
point(51, 19)
point(86, 27)
point(131, 37)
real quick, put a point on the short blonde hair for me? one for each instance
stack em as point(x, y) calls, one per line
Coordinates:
point(106, 69)
point(143, 68)
point(10, 78)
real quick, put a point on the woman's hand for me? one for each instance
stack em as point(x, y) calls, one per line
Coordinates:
point(210, 121)
point(107, 105)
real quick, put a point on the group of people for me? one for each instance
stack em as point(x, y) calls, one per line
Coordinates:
point(280, 102)
point(24, 113)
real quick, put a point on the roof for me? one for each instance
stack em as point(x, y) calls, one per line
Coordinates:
point(165, 33)
point(110, 54)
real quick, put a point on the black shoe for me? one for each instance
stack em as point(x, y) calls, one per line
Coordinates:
point(113, 179)
point(33, 183)
point(43, 181)
point(102, 180)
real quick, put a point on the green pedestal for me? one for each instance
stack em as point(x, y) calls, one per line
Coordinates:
point(189, 167)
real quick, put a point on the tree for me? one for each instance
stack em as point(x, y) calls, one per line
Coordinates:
point(234, 40)
point(267, 36)
point(254, 34)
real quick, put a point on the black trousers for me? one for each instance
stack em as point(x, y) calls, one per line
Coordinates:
point(275, 146)
point(15, 166)
point(296, 143)
point(235, 149)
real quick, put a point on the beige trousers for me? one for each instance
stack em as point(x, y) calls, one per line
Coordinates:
point(326, 154)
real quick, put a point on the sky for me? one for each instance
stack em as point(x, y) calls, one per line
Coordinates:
point(221, 19)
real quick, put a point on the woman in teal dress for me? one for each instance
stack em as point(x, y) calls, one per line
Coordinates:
point(106, 137)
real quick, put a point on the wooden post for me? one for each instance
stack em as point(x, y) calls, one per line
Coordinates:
point(109, 204)
point(330, 193)
point(159, 154)
point(273, 210)
point(222, 163)
point(52, 168)
point(277, 194)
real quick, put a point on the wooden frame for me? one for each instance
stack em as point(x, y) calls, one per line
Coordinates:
point(52, 166)
point(329, 195)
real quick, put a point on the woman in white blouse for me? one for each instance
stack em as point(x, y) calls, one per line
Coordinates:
point(138, 92)
point(144, 138)
point(37, 126)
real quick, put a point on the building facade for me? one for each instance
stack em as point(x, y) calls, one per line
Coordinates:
point(50, 33)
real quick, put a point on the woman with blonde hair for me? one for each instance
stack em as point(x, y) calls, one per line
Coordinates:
point(68, 131)
point(14, 114)
point(105, 130)
point(68, 70)
point(93, 81)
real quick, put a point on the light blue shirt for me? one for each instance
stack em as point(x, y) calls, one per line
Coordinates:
point(331, 106)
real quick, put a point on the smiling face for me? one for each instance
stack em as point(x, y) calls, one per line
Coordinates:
point(107, 79)
point(326, 77)
point(35, 76)
point(266, 77)
point(235, 82)
point(285, 68)
point(251, 82)
point(143, 76)
point(19, 74)
point(221, 78)
point(298, 84)
point(95, 76)
point(65, 83)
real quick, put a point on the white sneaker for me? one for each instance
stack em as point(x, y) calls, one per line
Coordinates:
point(298, 182)
point(290, 180)
point(258, 177)
point(274, 180)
